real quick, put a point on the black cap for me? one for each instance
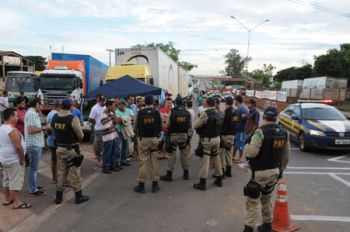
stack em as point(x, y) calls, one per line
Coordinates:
point(211, 101)
point(270, 113)
point(101, 98)
point(229, 100)
point(149, 100)
point(178, 101)
point(252, 101)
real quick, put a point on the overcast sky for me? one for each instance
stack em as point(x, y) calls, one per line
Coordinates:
point(201, 29)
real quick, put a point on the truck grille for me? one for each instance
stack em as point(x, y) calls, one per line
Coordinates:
point(50, 98)
point(336, 134)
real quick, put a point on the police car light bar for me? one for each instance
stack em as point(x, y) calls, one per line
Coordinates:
point(328, 101)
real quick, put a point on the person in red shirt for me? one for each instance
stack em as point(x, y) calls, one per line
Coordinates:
point(21, 113)
point(165, 136)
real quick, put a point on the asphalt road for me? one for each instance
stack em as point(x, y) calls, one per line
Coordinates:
point(318, 198)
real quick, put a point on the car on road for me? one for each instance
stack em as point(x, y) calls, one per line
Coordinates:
point(224, 96)
point(316, 125)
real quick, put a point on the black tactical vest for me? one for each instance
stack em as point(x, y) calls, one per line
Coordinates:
point(179, 120)
point(271, 151)
point(230, 121)
point(214, 124)
point(148, 123)
point(63, 129)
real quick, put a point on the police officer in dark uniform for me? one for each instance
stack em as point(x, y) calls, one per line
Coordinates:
point(227, 137)
point(148, 127)
point(179, 124)
point(209, 126)
point(68, 134)
point(268, 155)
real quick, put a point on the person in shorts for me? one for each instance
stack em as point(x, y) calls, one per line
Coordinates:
point(240, 136)
point(13, 162)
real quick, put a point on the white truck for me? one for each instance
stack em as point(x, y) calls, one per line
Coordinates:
point(166, 73)
point(325, 82)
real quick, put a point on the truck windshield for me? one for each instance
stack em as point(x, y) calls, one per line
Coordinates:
point(24, 83)
point(57, 83)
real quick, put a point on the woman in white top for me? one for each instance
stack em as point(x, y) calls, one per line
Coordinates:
point(12, 150)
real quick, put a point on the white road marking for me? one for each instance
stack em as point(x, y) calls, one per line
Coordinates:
point(341, 180)
point(319, 218)
point(317, 173)
point(319, 168)
point(338, 159)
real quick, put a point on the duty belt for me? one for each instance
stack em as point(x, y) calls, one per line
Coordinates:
point(69, 146)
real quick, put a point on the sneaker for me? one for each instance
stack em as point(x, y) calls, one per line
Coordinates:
point(115, 169)
point(39, 193)
point(40, 188)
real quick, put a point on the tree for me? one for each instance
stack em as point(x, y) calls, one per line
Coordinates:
point(263, 74)
point(171, 51)
point(335, 63)
point(294, 73)
point(234, 63)
point(38, 61)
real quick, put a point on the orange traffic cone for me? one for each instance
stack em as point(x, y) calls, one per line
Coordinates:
point(281, 220)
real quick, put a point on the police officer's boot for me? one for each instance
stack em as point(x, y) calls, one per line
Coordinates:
point(140, 188)
point(248, 229)
point(266, 227)
point(186, 176)
point(201, 185)
point(155, 187)
point(218, 181)
point(168, 176)
point(80, 198)
point(59, 198)
point(223, 173)
point(228, 172)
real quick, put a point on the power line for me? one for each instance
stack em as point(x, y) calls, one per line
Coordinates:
point(321, 8)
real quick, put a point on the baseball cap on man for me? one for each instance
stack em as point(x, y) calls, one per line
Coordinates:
point(149, 100)
point(211, 101)
point(66, 103)
point(270, 113)
point(178, 101)
point(101, 98)
point(252, 101)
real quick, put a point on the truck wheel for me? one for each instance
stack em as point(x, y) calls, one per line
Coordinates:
point(302, 143)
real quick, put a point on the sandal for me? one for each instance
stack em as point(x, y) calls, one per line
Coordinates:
point(23, 206)
point(8, 203)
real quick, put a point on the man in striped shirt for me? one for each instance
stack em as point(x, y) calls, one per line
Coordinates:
point(109, 134)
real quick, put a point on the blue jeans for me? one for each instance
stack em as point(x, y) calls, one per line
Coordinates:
point(122, 143)
point(117, 153)
point(34, 155)
point(109, 155)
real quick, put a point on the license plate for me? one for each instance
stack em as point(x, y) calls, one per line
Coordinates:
point(342, 141)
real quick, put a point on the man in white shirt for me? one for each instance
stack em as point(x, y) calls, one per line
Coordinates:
point(4, 104)
point(95, 119)
point(12, 150)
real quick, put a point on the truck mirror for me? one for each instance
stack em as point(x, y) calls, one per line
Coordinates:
point(80, 84)
point(151, 81)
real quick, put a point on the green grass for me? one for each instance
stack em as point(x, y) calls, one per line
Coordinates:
point(345, 106)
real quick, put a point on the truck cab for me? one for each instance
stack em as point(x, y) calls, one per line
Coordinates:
point(27, 82)
point(59, 83)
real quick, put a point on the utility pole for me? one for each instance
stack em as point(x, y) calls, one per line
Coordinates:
point(249, 30)
point(110, 55)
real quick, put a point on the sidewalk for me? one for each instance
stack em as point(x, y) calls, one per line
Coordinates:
point(17, 220)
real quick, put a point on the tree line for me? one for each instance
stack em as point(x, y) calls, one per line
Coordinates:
point(335, 63)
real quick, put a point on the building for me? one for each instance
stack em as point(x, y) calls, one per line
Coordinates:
point(12, 61)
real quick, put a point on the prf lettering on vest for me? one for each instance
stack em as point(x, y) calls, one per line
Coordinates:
point(235, 118)
point(60, 126)
point(278, 143)
point(181, 119)
point(148, 120)
point(220, 122)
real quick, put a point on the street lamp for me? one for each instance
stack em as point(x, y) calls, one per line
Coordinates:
point(249, 31)
point(110, 52)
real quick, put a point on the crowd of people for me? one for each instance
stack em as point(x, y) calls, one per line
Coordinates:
point(156, 133)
